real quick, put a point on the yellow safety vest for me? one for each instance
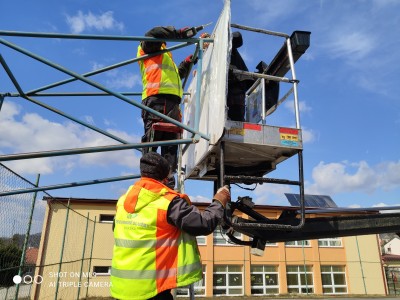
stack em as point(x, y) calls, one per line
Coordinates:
point(150, 255)
point(159, 75)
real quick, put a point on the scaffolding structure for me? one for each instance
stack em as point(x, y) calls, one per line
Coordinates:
point(212, 148)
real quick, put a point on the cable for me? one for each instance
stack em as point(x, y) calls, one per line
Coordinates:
point(248, 189)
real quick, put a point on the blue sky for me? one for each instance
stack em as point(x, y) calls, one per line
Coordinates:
point(348, 91)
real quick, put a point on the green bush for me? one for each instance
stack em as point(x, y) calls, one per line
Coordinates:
point(10, 257)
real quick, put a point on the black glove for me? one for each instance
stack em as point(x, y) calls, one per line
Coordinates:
point(189, 59)
point(187, 32)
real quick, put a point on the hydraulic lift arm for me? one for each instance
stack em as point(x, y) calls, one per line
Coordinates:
point(258, 227)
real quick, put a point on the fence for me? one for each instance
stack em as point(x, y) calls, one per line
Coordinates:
point(392, 277)
point(42, 255)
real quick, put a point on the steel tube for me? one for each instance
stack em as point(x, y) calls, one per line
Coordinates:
point(68, 185)
point(100, 87)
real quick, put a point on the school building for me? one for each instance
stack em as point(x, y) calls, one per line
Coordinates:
point(75, 254)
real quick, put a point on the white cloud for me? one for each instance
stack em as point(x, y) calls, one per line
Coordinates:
point(303, 107)
point(271, 194)
point(352, 46)
point(270, 11)
point(89, 119)
point(108, 122)
point(32, 133)
point(383, 205)
point(199, 198)
point(308, 135)
point(83, 22)
point(342, 177)
point(118, 78)
point(96, 65)
point(124, 80)
point(354, 206)
point(384, 3)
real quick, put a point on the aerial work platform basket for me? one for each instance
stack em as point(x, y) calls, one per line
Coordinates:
point(243, 152)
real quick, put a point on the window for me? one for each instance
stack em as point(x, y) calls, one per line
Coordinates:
point(102, 270)
point(300, 279)
point(333, 280)
point(219, 238)
point(106, 218)
point(330, 242)
point(228, 280)
point(201, 240)
point(305, 243)
point(264, 280)
point(268, 244)
point(199, 287)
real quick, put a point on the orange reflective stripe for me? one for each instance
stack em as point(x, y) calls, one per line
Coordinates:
point(153, 77)
point(131, 199)
point(166, 253)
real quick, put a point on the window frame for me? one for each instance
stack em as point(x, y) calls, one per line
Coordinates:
point(219, 236)
point(107, 221)
point(228, 275)
point(102, 273)
point(301, 288)
point(332, 274)
point(265, 287)
point(330, 242)
point(307, 243)
point(200, 237)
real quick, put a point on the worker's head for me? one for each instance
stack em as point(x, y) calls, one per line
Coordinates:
point(153, 165)
point(237, 40)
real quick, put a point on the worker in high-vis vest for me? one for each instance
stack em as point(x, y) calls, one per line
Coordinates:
point(162, 87)
point(155, 231)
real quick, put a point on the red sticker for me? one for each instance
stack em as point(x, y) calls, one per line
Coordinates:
point(252, 126)
point(289, 130)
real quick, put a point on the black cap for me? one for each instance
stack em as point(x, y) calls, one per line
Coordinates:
point(153, 165)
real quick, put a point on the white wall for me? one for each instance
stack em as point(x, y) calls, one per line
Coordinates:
point(392, 247)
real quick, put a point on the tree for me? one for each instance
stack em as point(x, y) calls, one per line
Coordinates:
point(10, 257)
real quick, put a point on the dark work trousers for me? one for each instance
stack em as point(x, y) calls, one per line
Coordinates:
point(164, 295)
point(169, 106)
point(236, 103)
point(236, 112)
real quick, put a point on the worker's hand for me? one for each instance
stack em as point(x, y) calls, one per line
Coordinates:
point(203, 36)
point(189, 59)
point(223, 195)
point(187, 32)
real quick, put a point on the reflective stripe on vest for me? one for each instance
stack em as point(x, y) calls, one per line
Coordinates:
point(159, 75)
point(150, 255)
point(151, 274)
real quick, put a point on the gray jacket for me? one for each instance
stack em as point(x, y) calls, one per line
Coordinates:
point(189, 218)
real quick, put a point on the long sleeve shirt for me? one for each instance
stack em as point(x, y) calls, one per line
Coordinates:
point(189, 218)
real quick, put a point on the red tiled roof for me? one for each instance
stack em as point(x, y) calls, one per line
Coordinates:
point(390, 257)
point(31, 256)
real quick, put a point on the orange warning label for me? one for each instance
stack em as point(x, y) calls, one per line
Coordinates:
point(236, 131)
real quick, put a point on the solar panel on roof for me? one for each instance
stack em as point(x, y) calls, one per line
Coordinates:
point(311, 200)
